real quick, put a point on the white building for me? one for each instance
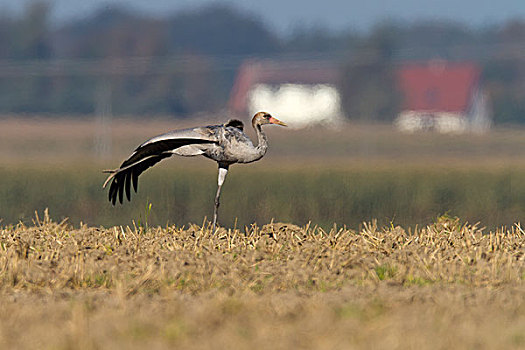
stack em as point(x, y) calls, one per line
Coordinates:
point(299, 93)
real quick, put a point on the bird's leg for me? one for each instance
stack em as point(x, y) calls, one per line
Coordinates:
point(223, 170)
point(216, 209)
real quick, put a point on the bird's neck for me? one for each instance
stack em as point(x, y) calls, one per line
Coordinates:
point(262, 141)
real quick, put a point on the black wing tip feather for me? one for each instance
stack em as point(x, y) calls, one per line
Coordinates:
point(144, 157)
point(120, 183)
point(122, 180)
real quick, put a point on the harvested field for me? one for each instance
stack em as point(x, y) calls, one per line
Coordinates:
point(447, 285)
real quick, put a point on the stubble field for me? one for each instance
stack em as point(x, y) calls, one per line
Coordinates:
point(446, 285)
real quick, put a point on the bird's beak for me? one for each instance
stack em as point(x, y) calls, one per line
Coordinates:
point(276, 121)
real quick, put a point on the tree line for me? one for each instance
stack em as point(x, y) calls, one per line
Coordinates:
point(185, 63)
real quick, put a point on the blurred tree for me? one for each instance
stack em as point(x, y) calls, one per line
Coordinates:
point(368, 85)
point(504, 74)
point(192, 82)
point(317, 39)
point(504, 80)
point(33, 32)
point(513, 32)
point(27, 37)
point(7, 27)
point(112, 33)
point(220, 29)
point(187, 88)
point(428, 40)
point(184, 86)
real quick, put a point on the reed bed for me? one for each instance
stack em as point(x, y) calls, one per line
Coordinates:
point(401, 195)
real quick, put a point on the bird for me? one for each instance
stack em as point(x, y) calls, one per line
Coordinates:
point(226, 144)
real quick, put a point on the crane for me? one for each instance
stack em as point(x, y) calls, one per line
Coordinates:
point(225, 143)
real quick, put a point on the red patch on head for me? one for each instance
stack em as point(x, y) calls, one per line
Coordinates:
point(272, 120)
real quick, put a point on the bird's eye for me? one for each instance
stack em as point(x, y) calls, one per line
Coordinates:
point(267, 116)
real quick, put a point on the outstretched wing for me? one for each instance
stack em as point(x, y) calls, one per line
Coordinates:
point(150, 153)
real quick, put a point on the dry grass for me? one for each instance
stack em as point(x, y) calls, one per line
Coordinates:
point(447, 285)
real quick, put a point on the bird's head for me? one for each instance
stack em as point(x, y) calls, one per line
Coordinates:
point(263, 118)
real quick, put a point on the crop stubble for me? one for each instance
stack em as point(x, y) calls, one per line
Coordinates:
point(277, 286)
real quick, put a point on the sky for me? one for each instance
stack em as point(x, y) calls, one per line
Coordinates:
point(284, 15)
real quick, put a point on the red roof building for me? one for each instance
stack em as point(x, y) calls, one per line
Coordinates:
point(442, 95)
point(438, 86)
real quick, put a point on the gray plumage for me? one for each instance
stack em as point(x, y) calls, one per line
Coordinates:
point(226, 144)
